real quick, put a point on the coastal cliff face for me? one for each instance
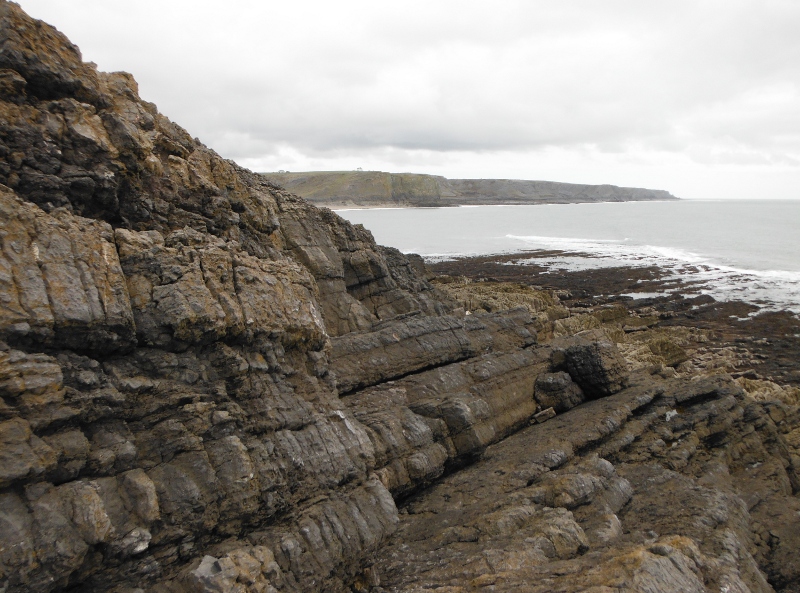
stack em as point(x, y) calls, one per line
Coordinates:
point(370, 189)
point(210, 385)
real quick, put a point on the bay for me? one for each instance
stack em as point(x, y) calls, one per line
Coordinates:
point(737, 249)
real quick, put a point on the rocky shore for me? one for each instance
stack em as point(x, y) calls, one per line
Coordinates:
point(768, 343)
point(209, 385)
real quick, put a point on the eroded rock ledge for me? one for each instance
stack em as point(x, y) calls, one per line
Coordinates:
point(209, 385)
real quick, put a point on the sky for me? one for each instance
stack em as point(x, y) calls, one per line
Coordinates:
point(698, 97)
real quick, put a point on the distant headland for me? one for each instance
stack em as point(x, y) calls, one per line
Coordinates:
point(377, 189)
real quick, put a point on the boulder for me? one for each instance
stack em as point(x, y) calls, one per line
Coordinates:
point(593, 361)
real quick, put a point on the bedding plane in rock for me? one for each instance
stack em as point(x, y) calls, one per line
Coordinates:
point(208, 385)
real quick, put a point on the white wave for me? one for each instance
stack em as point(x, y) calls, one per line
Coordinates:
point(768, 289)
point(647, 295)
point(565, 241)
point(673, 253)
point(368, 208)
point(695, 265)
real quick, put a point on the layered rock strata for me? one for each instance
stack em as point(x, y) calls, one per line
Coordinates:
point(209, 385)
point(624, 492)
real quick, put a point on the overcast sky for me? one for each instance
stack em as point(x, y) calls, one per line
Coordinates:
point(699, 97)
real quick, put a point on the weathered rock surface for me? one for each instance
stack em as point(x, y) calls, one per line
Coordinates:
point(594, 363)
point(615, 494)
point(558, 391)
point(164, 374)
point(62, 282)
point(207, 384)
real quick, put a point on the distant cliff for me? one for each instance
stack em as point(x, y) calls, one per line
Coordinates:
point(375, 189)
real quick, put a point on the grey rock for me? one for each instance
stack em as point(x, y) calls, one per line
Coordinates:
point(397, 349)
point(558, 391)
point(208, 384)
point(594, 363)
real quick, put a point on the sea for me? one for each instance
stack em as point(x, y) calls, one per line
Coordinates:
point(746, 250)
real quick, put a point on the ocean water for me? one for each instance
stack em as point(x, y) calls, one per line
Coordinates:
point(739, 249)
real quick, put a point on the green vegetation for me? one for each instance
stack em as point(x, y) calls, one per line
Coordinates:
point(365, 189)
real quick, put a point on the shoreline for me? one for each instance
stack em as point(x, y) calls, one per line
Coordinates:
point(337, 206)
point(670, 235)
point(765, 343)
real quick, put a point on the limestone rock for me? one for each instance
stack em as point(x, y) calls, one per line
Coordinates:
point(189, 288)
point(574, 324)
point(558, 391)
point(407, 454)
point(671, 353)
point(396, 349)
point(207, 384)
point(60, 280)
point(594, 363)
point(22, 454)
point(610, 524)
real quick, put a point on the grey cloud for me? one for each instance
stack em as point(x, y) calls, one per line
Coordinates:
point(687, 77)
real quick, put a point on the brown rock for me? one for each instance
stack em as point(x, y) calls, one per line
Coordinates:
point(396, 349)
point(544, 415)
point(170, 418)
point(22, 454)
point(188, 288)
point(63, 282)
point(558, 391)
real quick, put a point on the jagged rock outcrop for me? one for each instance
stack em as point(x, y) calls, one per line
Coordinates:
point(594, 363)
point(166, 318)
point(558, 391)
point(207, 384)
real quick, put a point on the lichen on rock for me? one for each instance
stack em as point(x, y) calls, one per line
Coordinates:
point(208, 384)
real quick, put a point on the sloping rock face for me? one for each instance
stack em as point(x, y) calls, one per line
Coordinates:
point(166, 320)
point(209, 385)
point(622, 493)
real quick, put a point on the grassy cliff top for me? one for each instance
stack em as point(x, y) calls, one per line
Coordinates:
point(380, 189)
